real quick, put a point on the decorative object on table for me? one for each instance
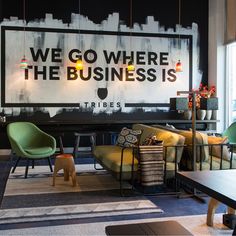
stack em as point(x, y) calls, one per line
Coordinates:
point(209, 104)
point(208, 115)
point(181, 104)
point(206, 101)
point(188, 114)
point(201, 114)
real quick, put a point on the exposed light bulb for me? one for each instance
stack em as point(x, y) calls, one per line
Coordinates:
point(178, 66)
point(130, 66)
point(79, 64)
point(24, 63)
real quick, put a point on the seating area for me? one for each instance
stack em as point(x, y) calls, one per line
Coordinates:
point(213, 153)
point(122, 161)
point(118, 117)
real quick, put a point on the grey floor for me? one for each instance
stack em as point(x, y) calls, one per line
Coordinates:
point(188, 211)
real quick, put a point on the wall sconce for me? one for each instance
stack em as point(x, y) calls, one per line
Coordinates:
point(24, 62)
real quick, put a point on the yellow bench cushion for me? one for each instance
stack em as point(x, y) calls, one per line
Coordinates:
point(112, 160)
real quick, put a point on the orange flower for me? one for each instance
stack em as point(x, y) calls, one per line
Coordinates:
point(204, 92)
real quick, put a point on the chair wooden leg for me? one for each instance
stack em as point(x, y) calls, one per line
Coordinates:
point(17, 161)
point(32, 164)
point(50, 164)
point(26, 168)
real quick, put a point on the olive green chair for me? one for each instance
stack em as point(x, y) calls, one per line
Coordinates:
point(29, 142)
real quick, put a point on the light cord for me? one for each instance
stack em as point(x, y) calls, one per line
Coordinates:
point(24, 21)
point(179, 20)
point(130, 26)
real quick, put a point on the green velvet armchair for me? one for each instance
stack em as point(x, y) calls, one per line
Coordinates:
point(29, 142)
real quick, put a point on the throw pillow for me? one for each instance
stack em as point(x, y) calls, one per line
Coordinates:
point(216, 149)
point(201, 138)
point(205, 149)
point(128, 137)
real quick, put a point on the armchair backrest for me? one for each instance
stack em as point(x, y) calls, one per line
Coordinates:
point(25, 134)
point(230, 132)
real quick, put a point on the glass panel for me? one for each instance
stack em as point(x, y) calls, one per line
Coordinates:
point(231, 82)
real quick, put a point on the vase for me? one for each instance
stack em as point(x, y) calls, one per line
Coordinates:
point(187, 114)
point(208, 114)
point(201, 114)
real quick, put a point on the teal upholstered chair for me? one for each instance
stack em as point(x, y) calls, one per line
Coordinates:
point(230, 132)
point(28, 141)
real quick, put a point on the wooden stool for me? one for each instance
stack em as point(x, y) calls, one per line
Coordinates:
point(65, 162)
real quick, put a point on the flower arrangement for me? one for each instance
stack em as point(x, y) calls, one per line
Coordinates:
point(206, 92)
point(203, 92)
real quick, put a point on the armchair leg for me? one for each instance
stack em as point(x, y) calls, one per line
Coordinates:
point(50, 164)
point(13, 170)
point(26, 168)
point(32, 164)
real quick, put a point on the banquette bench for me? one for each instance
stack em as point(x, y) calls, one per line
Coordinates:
point(123, 162)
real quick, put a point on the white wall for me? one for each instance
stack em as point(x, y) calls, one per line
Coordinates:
point(217, 57)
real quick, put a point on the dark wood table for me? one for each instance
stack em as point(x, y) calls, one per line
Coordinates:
point(218, 184)
point(150, 228)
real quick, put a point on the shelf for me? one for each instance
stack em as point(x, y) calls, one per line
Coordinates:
point(186, 121)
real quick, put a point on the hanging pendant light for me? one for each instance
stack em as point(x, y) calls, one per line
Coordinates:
point(24, 62)
point(130, 66)
point(79, 63)
point(178, 65)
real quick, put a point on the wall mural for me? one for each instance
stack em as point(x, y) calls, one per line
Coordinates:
point(104, 88)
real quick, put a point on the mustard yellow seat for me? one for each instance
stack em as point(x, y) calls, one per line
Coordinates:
point(110, 157)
